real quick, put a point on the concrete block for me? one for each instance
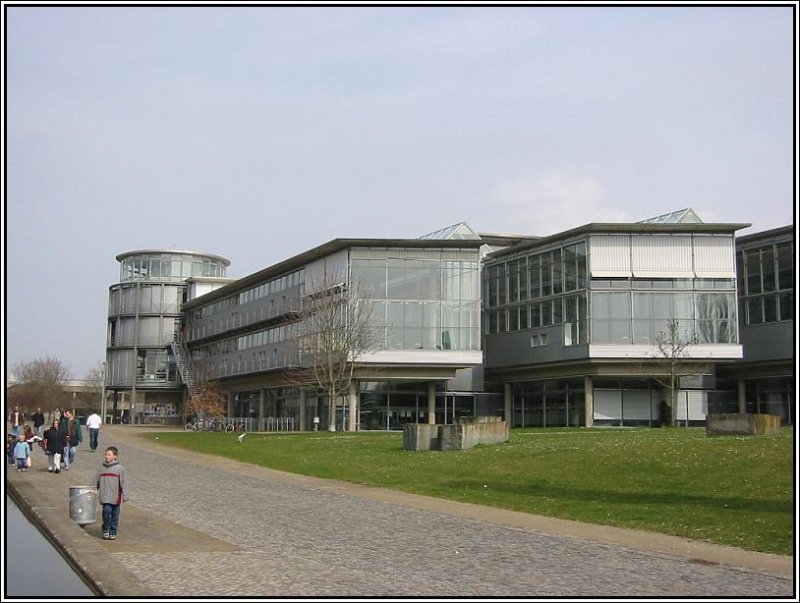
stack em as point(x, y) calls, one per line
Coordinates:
point(742, 424)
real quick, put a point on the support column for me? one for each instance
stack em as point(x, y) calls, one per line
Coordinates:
point(508, 405)
point(588, 388)
point(230, 404)
point(302, 426)
point(742, 396)
point(262, 403)
point(431, 403)
point(352, 406)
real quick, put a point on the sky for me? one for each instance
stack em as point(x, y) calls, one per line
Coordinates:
point(258, 132)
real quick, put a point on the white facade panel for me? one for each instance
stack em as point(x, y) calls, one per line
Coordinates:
point(711, 351)
point(638, 405)
point(714, 257)
point(662, 256)
point(691, 404)
point(453, 358)
point(610, 256)
point(607, 404)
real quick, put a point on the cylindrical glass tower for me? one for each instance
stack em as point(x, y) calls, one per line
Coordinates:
point(144, 313)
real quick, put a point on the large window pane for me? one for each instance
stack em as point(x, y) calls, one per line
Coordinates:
point(785, 266)
point(753, 269)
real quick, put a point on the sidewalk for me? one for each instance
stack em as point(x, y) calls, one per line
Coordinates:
point(202, 525)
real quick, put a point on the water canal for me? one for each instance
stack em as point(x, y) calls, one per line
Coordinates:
point(33, 567)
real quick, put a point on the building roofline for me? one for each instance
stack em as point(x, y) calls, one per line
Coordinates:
point(127, 254)
point(621, 227)
point(323, 250)
point(765, 234)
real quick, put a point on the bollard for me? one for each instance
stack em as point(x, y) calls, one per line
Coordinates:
point(83, 504)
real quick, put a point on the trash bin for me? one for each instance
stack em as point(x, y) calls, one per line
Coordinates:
point(83, 504)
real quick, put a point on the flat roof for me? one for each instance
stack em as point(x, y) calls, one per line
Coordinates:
point(323, 250)
point(616, 227)
point(214, 256)
point(766, 234)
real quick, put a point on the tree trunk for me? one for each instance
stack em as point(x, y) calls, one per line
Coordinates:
point(332, 411)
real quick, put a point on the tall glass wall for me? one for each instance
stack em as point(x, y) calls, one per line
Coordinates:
point(554, 403)
point(766, 283)
point(541, 289)
point(552, 287)
point(422, 299)
point(636, 311)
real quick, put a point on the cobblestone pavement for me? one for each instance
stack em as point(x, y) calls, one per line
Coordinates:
point(202, 527)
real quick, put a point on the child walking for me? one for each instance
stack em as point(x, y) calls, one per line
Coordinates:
point(21, 452)
point(112, 490)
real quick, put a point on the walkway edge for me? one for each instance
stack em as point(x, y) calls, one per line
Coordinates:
point(82, 553)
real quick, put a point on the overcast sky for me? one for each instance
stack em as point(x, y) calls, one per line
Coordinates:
point(256, 133)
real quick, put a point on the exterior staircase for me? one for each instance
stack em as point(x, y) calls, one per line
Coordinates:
point(184, 361)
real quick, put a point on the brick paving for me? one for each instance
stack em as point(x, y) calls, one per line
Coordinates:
point(198, 526)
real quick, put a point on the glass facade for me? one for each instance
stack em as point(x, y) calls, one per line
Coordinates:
point(152, 266)
point(538, 290)
point(553, 403)
point(423, 299)
point(637, 310)
point(766, 283)
point(553, 287)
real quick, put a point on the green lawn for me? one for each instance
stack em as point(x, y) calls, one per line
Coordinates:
point(729, 490)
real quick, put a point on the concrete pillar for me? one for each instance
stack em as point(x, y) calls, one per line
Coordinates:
point(302, 426)
point(742, 396)
point(588, 388)
point(431, 403)
point(352, 406)
point(508, 405)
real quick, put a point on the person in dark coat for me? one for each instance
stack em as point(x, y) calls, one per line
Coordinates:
point(38, 422)
point(55, 441)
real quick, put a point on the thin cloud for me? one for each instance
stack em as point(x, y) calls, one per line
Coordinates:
point(554, 201)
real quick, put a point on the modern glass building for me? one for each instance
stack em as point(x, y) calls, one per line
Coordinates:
point(572, 322)
point(764, 379)
point(144, 314)
point(424, 296)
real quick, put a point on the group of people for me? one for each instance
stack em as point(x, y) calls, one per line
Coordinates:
point(60, 442)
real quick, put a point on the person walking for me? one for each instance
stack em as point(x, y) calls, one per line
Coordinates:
point(38, 422)
point(112, 491)
point(22, 452)
point(16, 418)
point(93, 422)
point(72, 429)
point(55, 441)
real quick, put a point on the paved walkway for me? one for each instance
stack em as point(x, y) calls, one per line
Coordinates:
point(198, 525)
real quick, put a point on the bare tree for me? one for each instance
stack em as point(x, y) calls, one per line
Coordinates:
point(671, 363)
point(39, 383)
point(336, 329)
point(95, 380)
point(208, 402)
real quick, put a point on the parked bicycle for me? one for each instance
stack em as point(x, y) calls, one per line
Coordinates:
point(226, 425)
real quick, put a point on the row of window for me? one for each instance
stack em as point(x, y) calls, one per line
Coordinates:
point(169, 266)
point(271, 287)
point(417, 279)
point(535, 276)
point(625, 317)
